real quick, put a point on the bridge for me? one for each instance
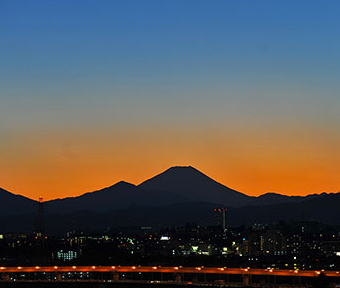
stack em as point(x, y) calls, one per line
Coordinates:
point(160, 274)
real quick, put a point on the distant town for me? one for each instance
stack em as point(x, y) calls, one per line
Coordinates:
point(285, 245)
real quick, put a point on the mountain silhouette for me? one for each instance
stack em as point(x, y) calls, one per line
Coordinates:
point(178, 184)
point(275, 198)
point(11, 204)
point(174, 197)
point(323, 209)
point(196, 186)
point(119, 195)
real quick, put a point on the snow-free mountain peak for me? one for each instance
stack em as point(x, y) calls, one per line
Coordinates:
point(191, 183)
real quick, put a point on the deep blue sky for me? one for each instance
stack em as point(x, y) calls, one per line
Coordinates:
point(245, 90)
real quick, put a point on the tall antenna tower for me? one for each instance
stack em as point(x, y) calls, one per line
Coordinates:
point(41, 224)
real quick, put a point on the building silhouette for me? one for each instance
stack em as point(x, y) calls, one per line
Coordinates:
point(220, 217)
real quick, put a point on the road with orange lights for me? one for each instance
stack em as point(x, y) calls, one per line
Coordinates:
point(160, 269)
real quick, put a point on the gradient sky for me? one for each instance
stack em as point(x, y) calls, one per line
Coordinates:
point(93, 92)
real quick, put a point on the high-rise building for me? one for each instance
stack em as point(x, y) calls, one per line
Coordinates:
point(220, 217)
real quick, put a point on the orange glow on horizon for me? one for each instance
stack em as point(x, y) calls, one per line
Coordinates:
point(70, 164)
point(253, 184)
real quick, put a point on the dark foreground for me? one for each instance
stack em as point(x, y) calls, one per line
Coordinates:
point(100, 284)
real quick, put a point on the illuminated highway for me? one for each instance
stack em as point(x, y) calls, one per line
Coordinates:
point(175, 270)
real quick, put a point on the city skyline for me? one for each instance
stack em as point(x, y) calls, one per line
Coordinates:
point(97, 92)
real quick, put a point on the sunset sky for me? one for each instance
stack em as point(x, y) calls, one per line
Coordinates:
point(94, 92)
